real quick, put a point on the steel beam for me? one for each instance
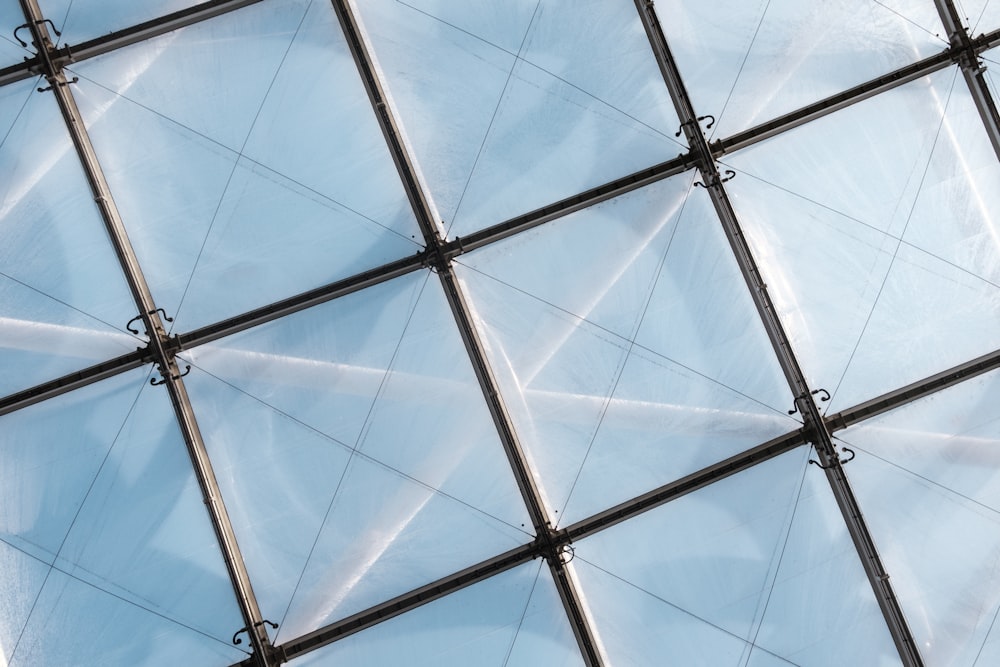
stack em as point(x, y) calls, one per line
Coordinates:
point(912, 392)
point(76, 380)
point(967, 56)
point(112, 41)
point(813, 421)
point(158, 338)
point(440, 263)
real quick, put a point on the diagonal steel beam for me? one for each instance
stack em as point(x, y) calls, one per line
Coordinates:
point(973, 71)
point(158, 338)
point(440, 263)
point(118, 39)
point(813, 420)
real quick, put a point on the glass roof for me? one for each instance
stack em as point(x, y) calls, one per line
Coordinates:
point(340, 332)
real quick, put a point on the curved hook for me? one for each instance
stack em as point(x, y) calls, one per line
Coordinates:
point(841, 461)
point(825, 394)
point(129, 325)
point(566, 549)
point(699, 184)
point(236, 635)
point(155, 382)
point(163, 313)
point(730, 174)
point(19, 29)
point(711, 123)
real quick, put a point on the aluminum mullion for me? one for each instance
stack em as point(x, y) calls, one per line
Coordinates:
point(814, 424)
point(158, 339)
point(972, 69)
point(441, 264)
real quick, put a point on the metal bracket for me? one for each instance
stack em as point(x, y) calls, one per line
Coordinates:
point(28, 25)
point(842, 461)
point(824, 396)
point(236, 635)
point(717, 180)
point(162, 313)
point(564, 550)
point(155, 382)
point(680, 130)
point(53, 82)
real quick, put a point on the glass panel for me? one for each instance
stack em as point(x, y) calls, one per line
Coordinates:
point(577, 101)
point(362, 443)
point(21, 578)
point(11, 51)
point(77, 623)
point(759, 562)
point(824, 208)
point(514, 618)
point(116, 510)
point(604, 418)
point(80, 20)
point(63, 300)
point(242, 199)
point(749, 62)
point(980, 16)
point(927, 477)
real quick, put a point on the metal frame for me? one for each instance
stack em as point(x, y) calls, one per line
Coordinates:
point(158, 347)
point(437, 256)
point(815, 426)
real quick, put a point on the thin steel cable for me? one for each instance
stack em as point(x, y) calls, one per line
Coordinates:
point(634, 344)
point(236, 163)
point(679, 608)
point(572, 85)
point(493, 118)
point(246, 159)
point(352, 450)
point(524, 613)
point(913, 207)
point(911, 21)
point(631, 344)
point(79, 509)
point(739, 72)
point(781, 556)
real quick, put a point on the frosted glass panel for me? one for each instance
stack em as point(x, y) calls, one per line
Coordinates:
point(515, 618)
point(927, 477)
point(533, 113)
point(63, 299)
point(746, 63)
point(328, 492)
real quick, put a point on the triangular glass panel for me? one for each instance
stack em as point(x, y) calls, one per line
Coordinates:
point(824, 219)
point(64, 300)
point(685, 580)
point(746, 63)
point(322, 424)
point(513, 618)
point(143, 533)
point(527, 125)
point(80, 20)
point(222, 232)
point(46, 474)
point(926, 476)
point(757, 561)
point(75, 622)
point(559, 306)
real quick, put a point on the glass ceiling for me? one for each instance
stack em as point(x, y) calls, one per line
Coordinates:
point(372, 332)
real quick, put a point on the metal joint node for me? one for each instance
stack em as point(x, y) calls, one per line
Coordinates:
point(236, 635)
point(840, 461)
